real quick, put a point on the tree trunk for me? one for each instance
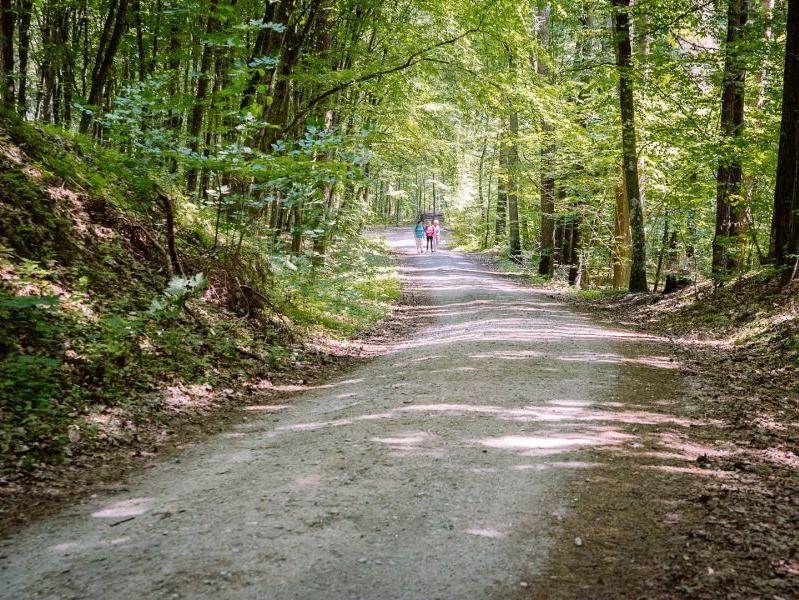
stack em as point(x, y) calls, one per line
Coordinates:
point(203, 80)
point(488, 211)
point(622, 241)
point(169, 213)
point(142, 66)
point(547, 198)
point(729, 207)
point(767, 14)
point(26, 12)
point(433, 192)
point(106, 51)
point(502, 191)
point(480, 194)
point(784, 245)
point(546, 264)
point(277, 112)
point(8, 20)
point(514, 242)
point(621, 19)
point(575, 252)
point(267, 43)
point(664, 247)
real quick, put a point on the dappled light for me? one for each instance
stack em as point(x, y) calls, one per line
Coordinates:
point(676, 470)
point(300, 387)
point(522, 442)
point(484, 532)
point(125, 508)
point(408, 439)
point(436, 299)
point(447, 436)
point(67, 548)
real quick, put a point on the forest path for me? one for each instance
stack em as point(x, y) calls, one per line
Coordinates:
point(440, 469)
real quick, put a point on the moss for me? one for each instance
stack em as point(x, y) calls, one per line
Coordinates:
point(29, 221)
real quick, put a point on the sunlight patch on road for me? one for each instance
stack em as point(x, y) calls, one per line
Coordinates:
point(562, 464)
point(661, 362)
point(305, 480)
point(521, 442)
point(553, 442)
point(266, 407)
point(509, 354)
point(489, 533)
point(407, 439)
point(693, 471)
point(125, 508)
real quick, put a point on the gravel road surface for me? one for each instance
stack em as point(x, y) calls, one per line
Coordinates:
point(439, 469)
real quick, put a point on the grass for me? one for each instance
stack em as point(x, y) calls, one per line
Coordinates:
point(353, 291)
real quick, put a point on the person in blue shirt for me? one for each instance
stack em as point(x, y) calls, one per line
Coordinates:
point(419, 235)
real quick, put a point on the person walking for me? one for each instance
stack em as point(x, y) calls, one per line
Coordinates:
point(438, 232)
point(430, 232)
point(418, 233)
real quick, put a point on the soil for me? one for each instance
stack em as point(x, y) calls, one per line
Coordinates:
point(505, 445)
point(737, 534)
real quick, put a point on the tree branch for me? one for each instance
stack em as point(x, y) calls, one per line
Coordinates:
point(413, 59)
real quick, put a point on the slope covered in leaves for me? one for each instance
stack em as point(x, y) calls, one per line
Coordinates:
point(101, 339)
point(740, 349)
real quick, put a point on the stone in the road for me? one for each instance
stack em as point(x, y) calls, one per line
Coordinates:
point(436, 470)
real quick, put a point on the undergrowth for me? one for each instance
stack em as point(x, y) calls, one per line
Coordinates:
point(93, 323)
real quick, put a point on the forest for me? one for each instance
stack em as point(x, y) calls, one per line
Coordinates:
point(195, 195)
point(622, 144)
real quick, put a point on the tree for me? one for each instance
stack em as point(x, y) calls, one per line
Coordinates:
point(621, 21)
point(115, 25)
point(784, 246)
point(8, 21)
point(547, 178)
point(203, 82)
point(729, 207)
point(512, 157)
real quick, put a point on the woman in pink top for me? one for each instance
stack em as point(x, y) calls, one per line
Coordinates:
point(430, 233)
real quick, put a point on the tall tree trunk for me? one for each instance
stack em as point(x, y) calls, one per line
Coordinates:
point(175, 120)
point(784, 246)
point(547, 199)
point(488, 211)
point(502, 190)
point(514, 242)
point(664, 248)
point(106, 51)
point(729, 207)
point(767, 14)
point(26, 12)
point(142, 62)
point(203, 80)
point(622, 239)
point(8, 21)
point(575, 252)
point(546, 188)
point(267, 43)
point(277, 112)
point(621, 21)
point(433, 192)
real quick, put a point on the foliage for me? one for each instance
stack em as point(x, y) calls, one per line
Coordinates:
point(252, 141)
point(104, 327)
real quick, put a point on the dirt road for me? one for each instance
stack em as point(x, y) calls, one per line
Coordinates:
point(440, 469)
